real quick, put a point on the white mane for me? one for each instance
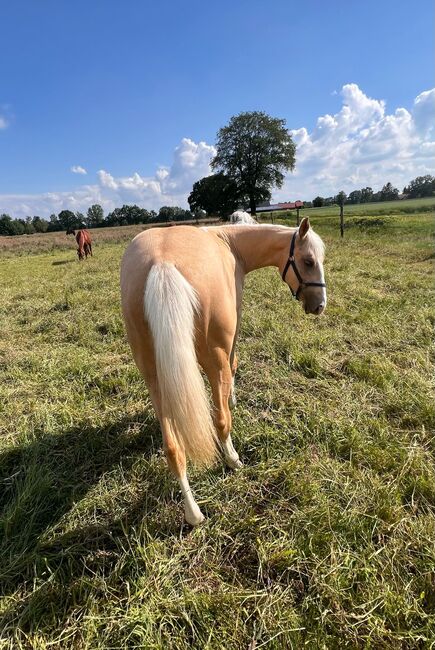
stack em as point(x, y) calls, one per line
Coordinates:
point(239, 216)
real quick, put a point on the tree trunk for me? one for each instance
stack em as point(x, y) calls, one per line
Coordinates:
point(252, 206)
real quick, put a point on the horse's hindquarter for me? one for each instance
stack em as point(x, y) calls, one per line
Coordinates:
point(204, 261)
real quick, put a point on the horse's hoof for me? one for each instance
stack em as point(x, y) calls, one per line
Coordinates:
point(234, 464)
point(194, 518)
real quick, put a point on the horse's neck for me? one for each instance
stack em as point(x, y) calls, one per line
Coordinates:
point(259, 246)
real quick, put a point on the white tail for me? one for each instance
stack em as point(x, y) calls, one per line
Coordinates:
point(170, 305)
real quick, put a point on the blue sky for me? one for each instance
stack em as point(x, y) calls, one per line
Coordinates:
point(128, 91)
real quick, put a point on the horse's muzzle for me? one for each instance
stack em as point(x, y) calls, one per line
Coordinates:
point(317, 310)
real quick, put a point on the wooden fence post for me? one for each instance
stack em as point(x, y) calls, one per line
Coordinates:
point(341, 221)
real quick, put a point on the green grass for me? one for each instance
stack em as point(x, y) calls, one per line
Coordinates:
point(407, 206)
point(326, 538)
point(381, 209)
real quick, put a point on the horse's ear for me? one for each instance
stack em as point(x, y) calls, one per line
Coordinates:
point(304, 227)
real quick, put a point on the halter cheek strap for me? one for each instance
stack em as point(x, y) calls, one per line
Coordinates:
point(291, 262)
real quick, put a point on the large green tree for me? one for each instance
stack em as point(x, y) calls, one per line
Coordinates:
point(255, 150)
point(216, 194)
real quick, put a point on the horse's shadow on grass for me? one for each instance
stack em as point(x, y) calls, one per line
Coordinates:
point(42, 481)
point(61, 262)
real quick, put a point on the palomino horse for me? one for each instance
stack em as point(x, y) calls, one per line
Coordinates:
point(84, 243)
point(181, 300)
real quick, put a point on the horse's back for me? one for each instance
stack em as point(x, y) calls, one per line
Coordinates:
point(83, 237)
point(198, 254)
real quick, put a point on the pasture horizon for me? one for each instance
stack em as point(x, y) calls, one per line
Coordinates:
point(38, 243)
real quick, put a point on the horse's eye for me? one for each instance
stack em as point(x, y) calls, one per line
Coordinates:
point(309, 263)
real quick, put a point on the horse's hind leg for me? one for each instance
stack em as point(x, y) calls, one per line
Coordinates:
point(219, 373)
point(174, 451)
point(176, 457)
point(233, 400)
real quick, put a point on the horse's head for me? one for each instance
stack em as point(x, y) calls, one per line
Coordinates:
point(303, 271)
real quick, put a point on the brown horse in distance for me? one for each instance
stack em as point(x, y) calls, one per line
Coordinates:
point(84, 243)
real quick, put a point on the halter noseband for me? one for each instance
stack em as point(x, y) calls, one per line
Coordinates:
point(291, 262)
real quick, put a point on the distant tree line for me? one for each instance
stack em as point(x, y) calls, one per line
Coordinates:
point(94, 218)
point(217, 194)
point(420, 187)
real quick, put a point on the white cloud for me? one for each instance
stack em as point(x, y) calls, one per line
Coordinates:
point(362, 144)
point(107, 180)
point(3, 122)
point(77, 169)
point(169, 186)
point(424, 113)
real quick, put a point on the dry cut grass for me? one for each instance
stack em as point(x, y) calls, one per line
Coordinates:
point(52, 242)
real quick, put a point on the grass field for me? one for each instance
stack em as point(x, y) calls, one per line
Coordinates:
point(382, 209)
point(324, 540)
point(50, 242)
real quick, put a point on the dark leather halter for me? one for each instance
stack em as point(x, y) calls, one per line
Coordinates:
point(291, 262)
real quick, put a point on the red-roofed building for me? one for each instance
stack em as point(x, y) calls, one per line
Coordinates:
point(281, 206)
